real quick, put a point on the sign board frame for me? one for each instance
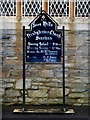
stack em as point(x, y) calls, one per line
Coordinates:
point(48, 51)
point(62, 62)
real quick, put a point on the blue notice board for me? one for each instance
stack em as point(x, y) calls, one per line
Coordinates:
point(43, 40)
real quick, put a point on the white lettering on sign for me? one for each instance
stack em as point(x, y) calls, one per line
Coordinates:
point(43, 32)
point(49, 59)
point(43, 38)
point(36, 25)
point(55, 34)
point(45, 24)
point(56, 44)
point(30, 44)
point(51, 53)
point(43, 44)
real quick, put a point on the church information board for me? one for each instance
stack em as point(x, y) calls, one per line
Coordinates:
point(43, 41)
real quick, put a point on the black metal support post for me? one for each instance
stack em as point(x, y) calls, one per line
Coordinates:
point(23, 68)
point(64, 109)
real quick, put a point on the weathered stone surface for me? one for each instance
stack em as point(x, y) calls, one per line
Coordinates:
point(32, 73)
point(70, 101)
point(8, 80)
point(12, 93)
point(6, 85)
point(5, 70)
point(83, 54)
point(9, 51)
point(1, 101)
point(46, 73)
point(82, 48)
point(81, 61)
point(16, 66)
point(35, 101)
point(1, 92)
point(44, 88)
point(58, 92)
point(77, 104)
point(56, 80)
point(52, 84)
point(42, 100)
point(76, 85)
point(58, 74)
point(53, 66)
point(58, 69)
point(37, 84)
point(84, 66)
point(10, 99)
point(10, 62)
point(5, 37)
point(19, 84)
point(54, 101)
point(80, 73)
point(70, 65)
point(49, 101)
point(70, 51)
point(78, 95)
point(83, 100)
point(6, 44)
point(79, 89)
point(11, 58)
point(37, 93)
point(34, 87)
point(27, 99)
point(40, 80)
point(81, 80)
point(34, 67)
point(15, 99)
point(8, 32)
point(47, 84)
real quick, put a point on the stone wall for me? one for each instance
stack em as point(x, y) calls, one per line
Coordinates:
point(44, 81)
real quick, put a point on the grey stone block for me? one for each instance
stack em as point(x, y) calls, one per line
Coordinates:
point(8, 80)
point(58, 92)
point(6, 85)
point(19, 84)
point(46, 73)
point(12, 93)
point(37, 93)
point(2, 91)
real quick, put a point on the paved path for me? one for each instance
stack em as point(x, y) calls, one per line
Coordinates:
point(81, 113)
